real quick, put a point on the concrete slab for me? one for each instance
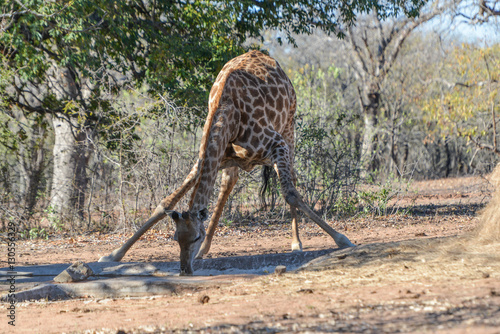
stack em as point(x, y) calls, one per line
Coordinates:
point(118, 279)
point(121, 287)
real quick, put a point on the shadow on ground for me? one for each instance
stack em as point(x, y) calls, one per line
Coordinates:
point(470, 210)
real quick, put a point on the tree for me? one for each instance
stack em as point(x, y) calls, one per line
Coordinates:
point(24, 140)
point(65, 59)
point(374, 47)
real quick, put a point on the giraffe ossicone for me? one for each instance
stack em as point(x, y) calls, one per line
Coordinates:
point(250, 122)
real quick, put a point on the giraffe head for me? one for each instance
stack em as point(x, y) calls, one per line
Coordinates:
point(190, 234)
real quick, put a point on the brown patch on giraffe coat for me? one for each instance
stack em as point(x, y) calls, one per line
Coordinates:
point(253, 92)
point(279, 103)
point(246, 99)
point(255, 142)
point(265, 141)
point(214, 164)
point(257, 128)
point(269, 132)
point(258, 113)
point(274, 90)
point(248, 108)
point(212, 150)
point(270, 103)
point(244, 118)
point(272, 115)
point(259, 102)
point(282, 91)
point(249, 78)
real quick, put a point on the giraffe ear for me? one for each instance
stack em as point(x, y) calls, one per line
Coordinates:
point(203, 214)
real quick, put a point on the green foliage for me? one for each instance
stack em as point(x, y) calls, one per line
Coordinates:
point(326, 156)
point(375, 198)
point(227, 222)
point(174, 47)
point(346, 204)
point(34, 233)
point(470, 105)
point(303, 16)
point(376, 201)
point(54, 219)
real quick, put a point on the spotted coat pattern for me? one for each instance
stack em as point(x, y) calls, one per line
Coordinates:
point(251, 112)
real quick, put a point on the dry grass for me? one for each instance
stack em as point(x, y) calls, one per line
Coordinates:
point(428, 261)
point(482, 244)
point(473, 256)
point(488, 231)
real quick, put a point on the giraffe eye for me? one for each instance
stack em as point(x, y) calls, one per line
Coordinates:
point(203, 214)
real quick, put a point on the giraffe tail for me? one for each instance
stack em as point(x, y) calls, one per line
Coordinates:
point(269, 179)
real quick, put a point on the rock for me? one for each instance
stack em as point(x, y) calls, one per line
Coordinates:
point(306, 291)
point(77, 272)
point(204, 299)
point(280, 270)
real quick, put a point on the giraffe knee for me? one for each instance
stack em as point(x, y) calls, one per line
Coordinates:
point(292, 198)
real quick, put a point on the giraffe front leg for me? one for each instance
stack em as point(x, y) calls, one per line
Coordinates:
point(165, 205)
point(229, 178)
point(281, 158)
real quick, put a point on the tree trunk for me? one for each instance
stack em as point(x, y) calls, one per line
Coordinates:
point(32, 168)
point(370, 100)
point(69, 180)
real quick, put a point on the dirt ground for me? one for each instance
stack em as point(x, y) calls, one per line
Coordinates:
point(413, 272)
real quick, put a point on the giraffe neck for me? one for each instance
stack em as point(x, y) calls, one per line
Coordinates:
point(217, 138)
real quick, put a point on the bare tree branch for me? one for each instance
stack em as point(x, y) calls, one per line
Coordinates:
point(449, 84)
point(482, 146)
point(360, 64)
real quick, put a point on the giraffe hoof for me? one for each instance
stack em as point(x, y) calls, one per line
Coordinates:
point(200, 254)
point(343, 242)
point(297, 247)
point(115, 256)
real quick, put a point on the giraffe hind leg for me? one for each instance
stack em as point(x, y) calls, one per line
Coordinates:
point(281, 158)
point(296, 243)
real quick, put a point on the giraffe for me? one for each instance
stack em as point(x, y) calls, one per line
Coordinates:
point(250, 122)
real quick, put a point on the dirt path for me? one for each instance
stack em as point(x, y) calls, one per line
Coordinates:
point(423, 281)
